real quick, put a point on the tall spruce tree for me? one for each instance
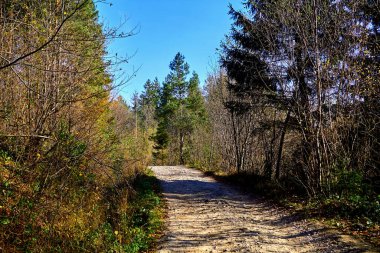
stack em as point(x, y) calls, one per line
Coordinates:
point(249, 84)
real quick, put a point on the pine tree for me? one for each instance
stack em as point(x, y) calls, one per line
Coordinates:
point(180, 109)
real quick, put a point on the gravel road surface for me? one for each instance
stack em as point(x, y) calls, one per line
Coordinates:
point(208, 216)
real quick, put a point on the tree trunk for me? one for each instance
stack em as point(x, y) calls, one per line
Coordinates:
point(181, 143)
point(281, 145)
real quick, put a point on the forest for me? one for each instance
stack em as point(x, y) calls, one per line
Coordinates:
point(292, 110)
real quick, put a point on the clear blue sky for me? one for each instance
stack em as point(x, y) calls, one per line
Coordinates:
point(193, 27)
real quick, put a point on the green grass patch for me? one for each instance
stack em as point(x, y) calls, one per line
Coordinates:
point(144, 218)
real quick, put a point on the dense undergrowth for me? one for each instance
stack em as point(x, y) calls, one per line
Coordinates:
point(71, 157)
point(354, 207)
point(92, 217)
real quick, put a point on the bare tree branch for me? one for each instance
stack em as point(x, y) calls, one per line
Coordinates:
point(13, 62)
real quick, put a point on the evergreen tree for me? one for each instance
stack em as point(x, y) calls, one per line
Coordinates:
point(151, 94)
point(249, 84)
point(195, 101)
point(180, 109)
point(148, 103)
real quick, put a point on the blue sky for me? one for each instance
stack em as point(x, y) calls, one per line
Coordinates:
point(193, 27)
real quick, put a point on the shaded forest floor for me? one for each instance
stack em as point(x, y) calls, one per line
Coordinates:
point(205, 215)
point(332, 213)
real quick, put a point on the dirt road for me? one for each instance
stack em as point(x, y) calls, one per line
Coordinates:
point(208, 216)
